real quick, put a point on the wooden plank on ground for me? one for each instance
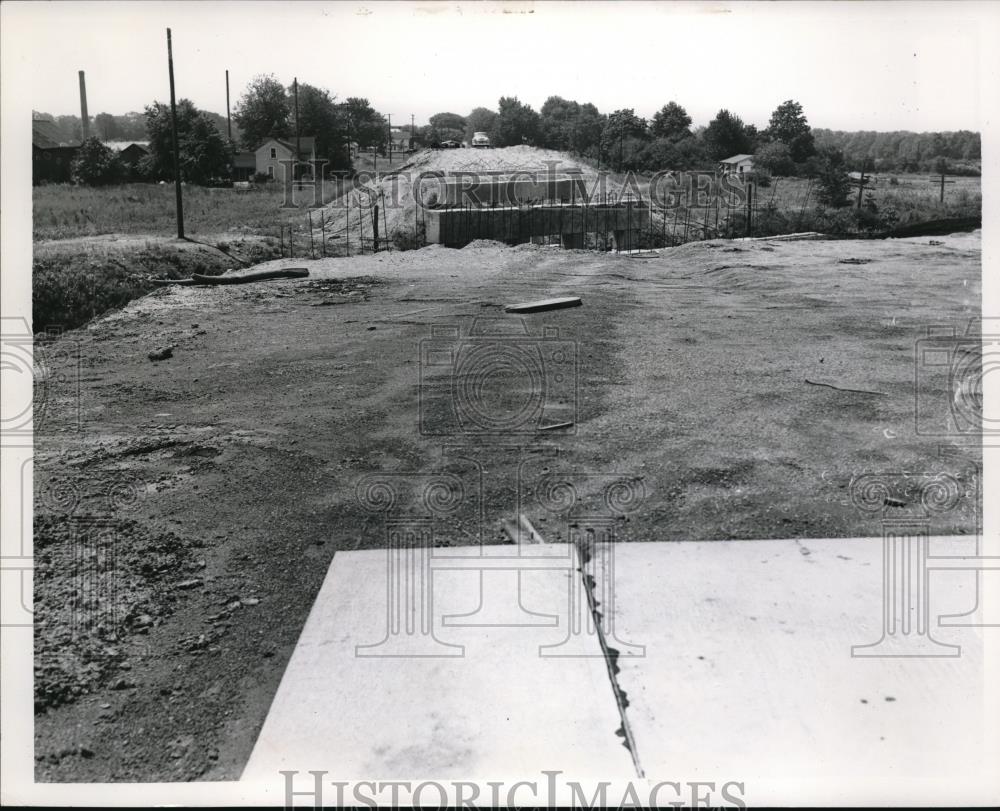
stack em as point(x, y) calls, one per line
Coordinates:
point(544, 305)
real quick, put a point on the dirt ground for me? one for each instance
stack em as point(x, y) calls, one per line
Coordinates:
point(228, 472)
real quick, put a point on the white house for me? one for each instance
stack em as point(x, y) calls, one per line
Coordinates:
point(400, 137)
point(871, 179)
point(272, 157)
point(737, 164)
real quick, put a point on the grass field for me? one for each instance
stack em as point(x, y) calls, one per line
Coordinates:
point(63, 211)
point(913, 197)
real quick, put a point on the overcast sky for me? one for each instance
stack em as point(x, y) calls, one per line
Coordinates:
point(852, 66)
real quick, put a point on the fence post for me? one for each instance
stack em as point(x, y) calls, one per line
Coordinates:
point(322, 225)
point(312, 249)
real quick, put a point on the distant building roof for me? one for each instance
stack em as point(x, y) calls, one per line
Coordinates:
point(737, 159)
point(45, 134)
point(118, 146)
point(307, 142)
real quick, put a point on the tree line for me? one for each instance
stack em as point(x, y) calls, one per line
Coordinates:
point(620, 140)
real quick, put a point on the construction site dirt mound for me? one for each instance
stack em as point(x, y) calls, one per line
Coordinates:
point(349, 223)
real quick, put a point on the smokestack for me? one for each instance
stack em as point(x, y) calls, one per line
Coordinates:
point(83, 106)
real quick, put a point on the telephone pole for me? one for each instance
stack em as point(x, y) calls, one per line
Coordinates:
point(390, 140)
point(177, 151)
point(229, 125)
point(298, 133)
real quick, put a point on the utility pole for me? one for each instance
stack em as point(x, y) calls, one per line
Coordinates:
point(861, 184)
point(177, 151)
point(229, 124)
point(621, 144)
point(390, 140)
point(298, 134)
point(412, 131)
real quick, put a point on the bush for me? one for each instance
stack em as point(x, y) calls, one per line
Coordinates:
point(776, 158)
point(759, 177)
point(833, 183)
point(96, 165)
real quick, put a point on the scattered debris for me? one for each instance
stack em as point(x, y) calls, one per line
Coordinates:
point(854, 391)
point(522, 532)
point(189, 584)
point(243, 278)
point(534, 536)
point(556, 426)
point(510, 528)
point(259, 276)
point(544, 305)
point(853, 261)
point(161, 354)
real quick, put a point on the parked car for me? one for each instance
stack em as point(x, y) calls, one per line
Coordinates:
point(450, 144)
point(480, 140)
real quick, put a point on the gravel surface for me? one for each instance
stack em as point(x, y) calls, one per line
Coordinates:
point(226, 474)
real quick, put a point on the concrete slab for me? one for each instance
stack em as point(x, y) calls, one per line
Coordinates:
point(748, 673)
point(480, 702)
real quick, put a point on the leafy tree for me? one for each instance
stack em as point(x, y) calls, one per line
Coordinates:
point(776, 158)
point(727, 135)
point(447, 127)
point(833, 184)
point(204, 154)
point(321, 118)
point(570, 126)
point(516, 123)
point(479, 120)
point(671, 122)
point(366, 126)
point(587, 131)
point(96, 165)
point(70, 128)
point(788, 125)
point(623, 138)
point(107, 127)
point(264, 111)
point(556, 121)
point(448, 121)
